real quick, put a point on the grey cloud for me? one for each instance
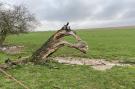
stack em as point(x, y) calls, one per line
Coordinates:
point(113, 8)
point(82, 12)
point(76, 10)
point(63, 11)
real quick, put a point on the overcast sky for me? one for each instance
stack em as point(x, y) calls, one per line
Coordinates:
point(80, 13)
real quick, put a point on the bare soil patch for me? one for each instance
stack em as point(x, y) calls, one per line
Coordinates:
point(12, 49)
point(97, 64)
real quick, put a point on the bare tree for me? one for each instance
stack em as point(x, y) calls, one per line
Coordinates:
point(15, 20)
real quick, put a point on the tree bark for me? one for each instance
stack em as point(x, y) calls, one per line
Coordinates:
point(3, 35)
point(2, 39)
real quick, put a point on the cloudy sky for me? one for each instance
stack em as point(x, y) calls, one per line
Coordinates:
point(80, 13)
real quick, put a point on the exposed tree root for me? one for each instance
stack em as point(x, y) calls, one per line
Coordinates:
point(9, 63)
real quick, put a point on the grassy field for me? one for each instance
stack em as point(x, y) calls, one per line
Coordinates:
point(108, 44)
point(112, 44)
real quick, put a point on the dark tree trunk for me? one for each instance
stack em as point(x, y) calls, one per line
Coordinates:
point(2, 39)
point(44, 51)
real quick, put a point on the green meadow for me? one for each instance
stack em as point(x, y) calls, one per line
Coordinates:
point(109, 44)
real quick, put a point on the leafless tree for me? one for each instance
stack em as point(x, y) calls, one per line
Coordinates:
point(15, 20)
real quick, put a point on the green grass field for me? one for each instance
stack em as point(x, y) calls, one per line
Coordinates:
point(112, 44)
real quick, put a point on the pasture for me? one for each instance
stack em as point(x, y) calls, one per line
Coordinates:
point(109, 44)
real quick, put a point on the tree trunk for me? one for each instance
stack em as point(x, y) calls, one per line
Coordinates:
point(2, 39)
point(45, 50)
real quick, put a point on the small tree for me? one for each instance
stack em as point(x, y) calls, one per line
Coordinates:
point(15, 20)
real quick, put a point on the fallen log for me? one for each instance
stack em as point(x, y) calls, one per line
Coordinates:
point(57, 41)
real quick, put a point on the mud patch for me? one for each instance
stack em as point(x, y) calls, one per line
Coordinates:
point(97, 64)
point(12, 49)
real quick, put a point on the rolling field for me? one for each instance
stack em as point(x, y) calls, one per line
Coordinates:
point(112, 44)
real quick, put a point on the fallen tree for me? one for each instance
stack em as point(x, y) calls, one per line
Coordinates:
point(55, 42)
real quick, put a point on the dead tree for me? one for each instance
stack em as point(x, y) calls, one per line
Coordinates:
point(55, 42)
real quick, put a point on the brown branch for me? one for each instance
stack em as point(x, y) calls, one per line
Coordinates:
point(14, 79)
point(11, 63)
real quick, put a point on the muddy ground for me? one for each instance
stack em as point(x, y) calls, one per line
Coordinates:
point(97, 64)
point(11, 49)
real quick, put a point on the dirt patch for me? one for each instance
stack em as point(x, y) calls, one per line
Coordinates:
point(98, 64)
point(12, 49)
